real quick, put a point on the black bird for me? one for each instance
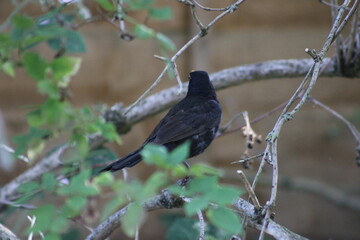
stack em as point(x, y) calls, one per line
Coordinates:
point(195, 118)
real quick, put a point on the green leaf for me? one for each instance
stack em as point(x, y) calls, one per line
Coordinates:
point(76, 205)
point(49, 88)
point(63, 68)
point(28, 187)
point(59, 225)
point(74, 42)
point(35, 65)
point(8, 68)
point(106, 4)
point(154, 154)
point(164, 13)
point(199, 170)
point(44, 216)
point(48, 181)
point(139, 4)
point(182, 229)
point(62, 38)
point(175, 189)
point(132, 219)
point(79, 186)
point(33, 137)
point(196, 204)
point(34, 118)
point(6, 41)
point(104, 179)
point(179, 154)
point(111, 207)
point(223, 195)
point(165, 42)
point(82, 144)
point(225, 219)
point(52, 236)
point(153, 184)
point(202, 184)
point(143, 32)
point(22, 22)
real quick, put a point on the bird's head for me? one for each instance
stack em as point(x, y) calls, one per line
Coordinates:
point(200, 84)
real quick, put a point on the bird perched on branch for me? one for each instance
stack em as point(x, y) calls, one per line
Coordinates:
point(195, 118)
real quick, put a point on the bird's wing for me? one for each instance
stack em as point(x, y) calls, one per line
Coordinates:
point(184, 124)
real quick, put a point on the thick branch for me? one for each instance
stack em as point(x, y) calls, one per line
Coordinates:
point(226, 78)
point(161, 201)
point(167, 200)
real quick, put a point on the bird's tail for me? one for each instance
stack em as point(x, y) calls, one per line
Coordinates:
point(128, 161)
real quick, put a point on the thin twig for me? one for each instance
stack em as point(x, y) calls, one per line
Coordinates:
point(348, 16)
point(248, 158)
point(202, 225)
point(249, 189)
point(207, 8)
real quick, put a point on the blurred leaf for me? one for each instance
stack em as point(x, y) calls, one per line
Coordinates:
point(143, 32)
point(59, 224)
point(34, 118)
point(165, 42)
point(22, 22)
point(224, 195)
point(139, 4)
point(82, 144)
point(5, 41)
point(28, 187)
point(111, 207)
point(164, 13)
point(196, 204)
point(52, 236)
point(44, 216)
point(153, 184)
point(154, 154)
point(8, 68)
point(35, 65)
point(175, 189)
point(182, 229)
point(65, 67)
point(79, 186)
point(104, 179)
point(32, 137)
point(106, 4)
point(179, 171)
point(71, 41)
point(202, 184)
point(49, 88)
point(202, 169)
point(225, 219)
point(179, 154)
point(48, 181)
point(75, 205)
point(132, 219)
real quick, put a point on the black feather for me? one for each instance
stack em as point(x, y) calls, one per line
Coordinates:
point(195, 118)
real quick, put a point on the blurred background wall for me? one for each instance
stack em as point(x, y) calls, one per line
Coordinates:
point(314, 145)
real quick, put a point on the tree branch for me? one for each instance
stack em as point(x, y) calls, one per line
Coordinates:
point(167, 200)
